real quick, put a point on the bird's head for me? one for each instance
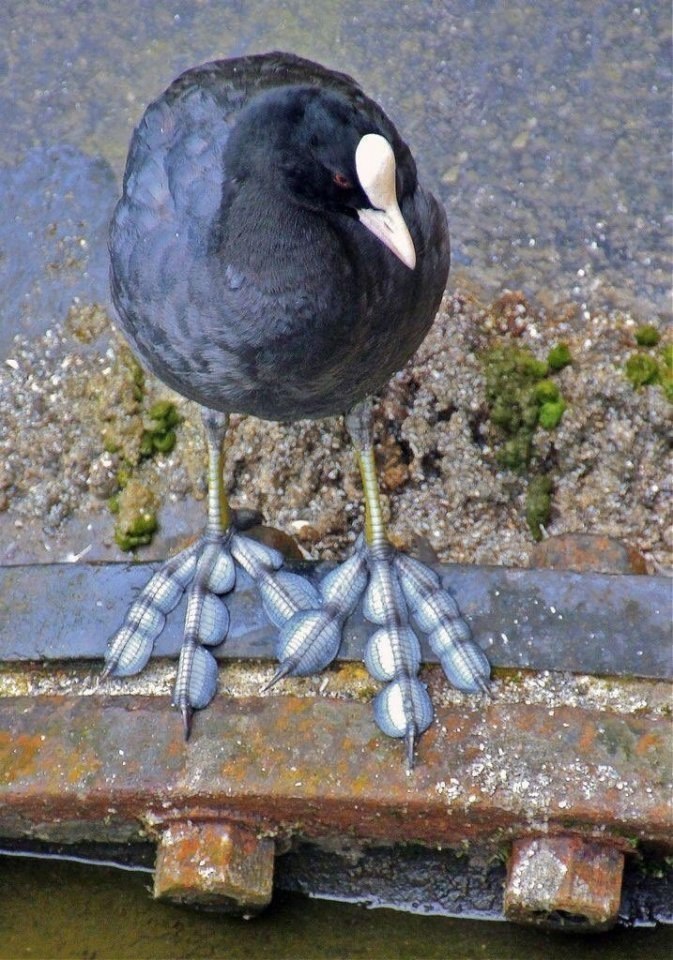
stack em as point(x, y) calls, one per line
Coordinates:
point(322, 151)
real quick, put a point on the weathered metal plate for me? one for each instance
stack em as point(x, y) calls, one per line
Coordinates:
point(486, 770)
point(590, 623)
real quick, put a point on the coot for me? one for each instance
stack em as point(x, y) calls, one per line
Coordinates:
point(274, 254)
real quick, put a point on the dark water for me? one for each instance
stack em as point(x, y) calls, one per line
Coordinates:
point(67, 910)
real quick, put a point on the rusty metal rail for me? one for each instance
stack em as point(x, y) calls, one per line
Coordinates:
point(569, 771)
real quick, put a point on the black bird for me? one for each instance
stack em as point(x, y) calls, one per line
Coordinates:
point(274, 254)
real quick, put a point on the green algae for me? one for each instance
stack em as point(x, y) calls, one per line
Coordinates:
point(647, 335)
point(559, 357)
point(133, 434)
point(651, 369)
point(522, 397)
point(546, 391)
point(136, 510)
point(641, 369)
point(538, 503)
point(550, 413)
point(159, 436)
point(121, 399)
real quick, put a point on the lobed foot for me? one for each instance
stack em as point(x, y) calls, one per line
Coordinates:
point(402, 598)
point(207, 570)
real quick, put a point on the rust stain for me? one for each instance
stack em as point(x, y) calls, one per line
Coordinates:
point(564, 876)
point(647, 743)
point(81, 769)
point(587, 737)
point(18, 756)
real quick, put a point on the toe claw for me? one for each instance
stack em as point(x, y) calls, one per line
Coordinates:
point(410, 741)
point(131, 646)
point(107, 670)
point(196, 679)
point(187, 714)
point(401, 704)
point(311, 622)
point(437, 614)
point(464, 663)
point(283, 670)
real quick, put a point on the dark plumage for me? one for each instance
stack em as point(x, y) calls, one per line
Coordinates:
point(240, 270)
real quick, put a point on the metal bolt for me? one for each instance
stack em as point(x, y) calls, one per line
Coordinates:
point(564, 882)
point(214, 865)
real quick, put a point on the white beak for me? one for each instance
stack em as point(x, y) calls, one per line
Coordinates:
point(375, 167)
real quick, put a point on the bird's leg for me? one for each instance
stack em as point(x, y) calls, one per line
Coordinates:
point(398, 592)
point(392, 654)
point(207, 570)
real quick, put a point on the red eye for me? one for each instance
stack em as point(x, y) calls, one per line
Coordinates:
point(342, 181)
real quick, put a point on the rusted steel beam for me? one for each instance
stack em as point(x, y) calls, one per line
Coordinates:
point(536, 619)
point(280, 763)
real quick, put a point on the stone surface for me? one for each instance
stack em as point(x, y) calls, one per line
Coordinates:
point(591, 552)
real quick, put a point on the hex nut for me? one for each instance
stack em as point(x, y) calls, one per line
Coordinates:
point(564, 882)
point(214, 865)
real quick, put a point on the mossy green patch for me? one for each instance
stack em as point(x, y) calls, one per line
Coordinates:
point(538, 503)
point(119, 395)
point(546, 391)
point(647, 336)
point(160, 436)
point(132, 433)
point(165, 413)
point(550, 413)
point(559, 357)
point(518, 390)
point(135, 508)
point(522, 397)
point(641, 369)
point(651, 369)
point(139, 534)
